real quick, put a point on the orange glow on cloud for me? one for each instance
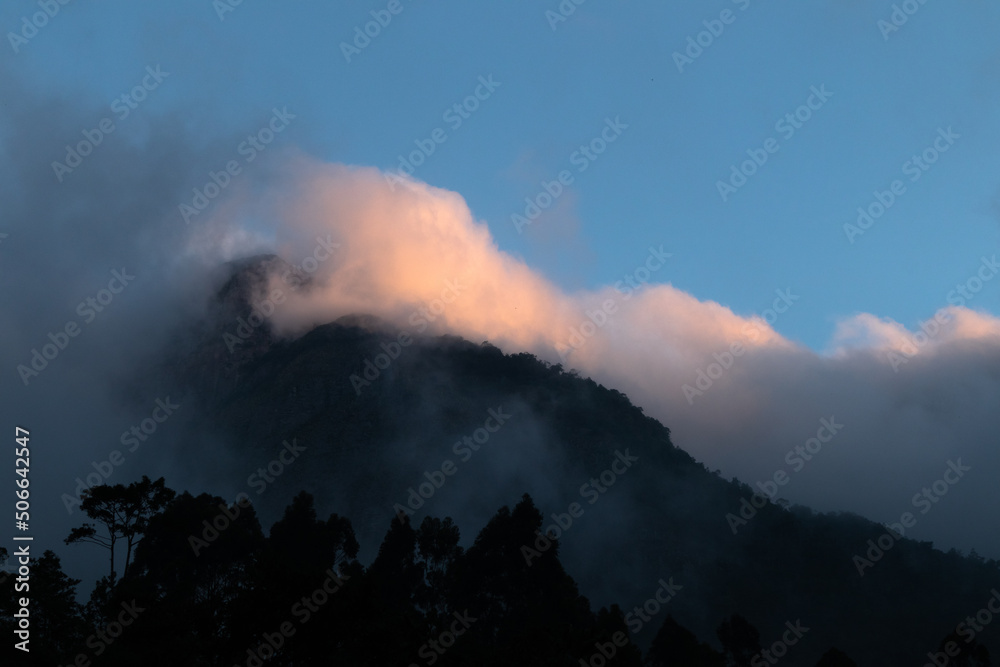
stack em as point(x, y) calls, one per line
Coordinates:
point(401, 247)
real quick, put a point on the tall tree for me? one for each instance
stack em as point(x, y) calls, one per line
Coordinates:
point(197, 567)
point(57, 617)
point(299, 577)
point(123, 512)
point(437, 546)
point(528, 610)
point(57, 629)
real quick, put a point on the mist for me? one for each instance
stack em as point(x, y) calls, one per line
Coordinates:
point(736, 394)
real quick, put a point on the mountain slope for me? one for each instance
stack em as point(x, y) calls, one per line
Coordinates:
point(657, 514)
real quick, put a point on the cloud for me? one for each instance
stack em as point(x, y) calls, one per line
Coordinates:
point(736, 394)
point(115, 213)
point(400, 249)
point(949, 325)
point(417, 256)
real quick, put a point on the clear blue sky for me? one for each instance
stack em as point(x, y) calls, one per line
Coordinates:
point(657, 183)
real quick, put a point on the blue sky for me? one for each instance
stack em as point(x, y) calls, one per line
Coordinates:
point(657, 182)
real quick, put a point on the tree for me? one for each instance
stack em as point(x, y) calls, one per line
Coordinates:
point(391, 585)
point(970, 653)
point(303, 567)
point(197, 567)
point(528, 610)
point(8, 606)
point(57, 616)
point(835, 658)
point(56, 628)
point(123, 512)
point(302, 544)
point(676, 645)
point(740, 640)
point(437, 546)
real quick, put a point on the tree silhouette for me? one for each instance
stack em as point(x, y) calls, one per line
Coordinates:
point(438, 550)
point(304, 558)
point(56, 617)
point(56, 627)
point(962, 652)
point(123, 512)
point(527, 613)
point(213, 589)
point(835, 658)
point(676, 645)
point(740, 640)
point(392, 584)
point(199, 595)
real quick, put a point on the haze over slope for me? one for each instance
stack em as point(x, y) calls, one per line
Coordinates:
point(910, 401)
point(451, 428)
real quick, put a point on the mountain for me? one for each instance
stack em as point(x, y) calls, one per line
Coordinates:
point(373, 420)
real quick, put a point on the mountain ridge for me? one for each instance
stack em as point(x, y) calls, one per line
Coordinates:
point(369, 449)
